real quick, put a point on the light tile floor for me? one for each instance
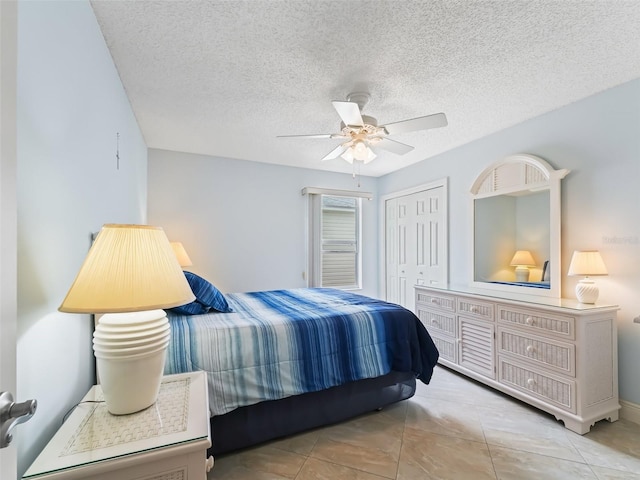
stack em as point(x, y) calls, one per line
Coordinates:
point(453, 428)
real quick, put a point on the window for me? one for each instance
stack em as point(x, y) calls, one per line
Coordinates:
point(334, 240)
point(340, 253)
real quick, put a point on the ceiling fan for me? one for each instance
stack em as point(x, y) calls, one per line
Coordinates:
point(362, 134)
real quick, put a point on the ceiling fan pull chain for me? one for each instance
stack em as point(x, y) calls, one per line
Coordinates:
point(356, 174)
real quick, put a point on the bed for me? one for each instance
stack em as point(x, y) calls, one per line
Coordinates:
point(283, 361)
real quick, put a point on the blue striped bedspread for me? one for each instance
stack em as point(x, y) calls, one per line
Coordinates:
point(279, 343)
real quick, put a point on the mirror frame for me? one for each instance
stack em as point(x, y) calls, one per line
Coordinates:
point(513, 174)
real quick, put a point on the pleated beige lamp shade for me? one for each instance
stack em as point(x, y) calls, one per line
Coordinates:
point(129, 268)
point(181, 254)
point(587, 263)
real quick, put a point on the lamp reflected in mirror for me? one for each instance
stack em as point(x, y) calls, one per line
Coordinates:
point(522, 260)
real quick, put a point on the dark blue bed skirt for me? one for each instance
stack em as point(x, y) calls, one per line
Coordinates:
point(266, 421)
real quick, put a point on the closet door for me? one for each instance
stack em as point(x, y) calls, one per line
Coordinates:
point(414, 244)
point(434, 270)
point(407, 268)
point(391, 250)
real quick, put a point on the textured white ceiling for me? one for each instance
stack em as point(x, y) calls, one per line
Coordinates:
point(224, 78)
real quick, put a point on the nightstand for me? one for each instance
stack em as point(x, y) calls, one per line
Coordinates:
point(167, 441)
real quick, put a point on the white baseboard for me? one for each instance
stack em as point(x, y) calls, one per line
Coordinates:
point(630, 411)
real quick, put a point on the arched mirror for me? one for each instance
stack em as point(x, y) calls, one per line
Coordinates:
point(516, 226)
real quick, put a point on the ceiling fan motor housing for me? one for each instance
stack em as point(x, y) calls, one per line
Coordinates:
point(366, 120)
point(361, 98)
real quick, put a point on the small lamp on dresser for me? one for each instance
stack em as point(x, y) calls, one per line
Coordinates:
point(130, 274)
point(522, 260)
point(587, 263)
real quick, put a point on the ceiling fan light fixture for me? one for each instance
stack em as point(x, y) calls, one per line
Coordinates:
point(370, 156)
point(360, 152)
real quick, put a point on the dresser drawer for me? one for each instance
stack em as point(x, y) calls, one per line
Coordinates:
point(447, 347)
point(559, 326)
point(547, 387)
point(475, 308)
point(435, 300)
point(548, 354)
point(437, 321)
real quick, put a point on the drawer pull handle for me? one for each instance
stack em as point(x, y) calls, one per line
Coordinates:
point(531, 382)
point(530, 349)
point(529, 321)
point(434, 322)
point(435, 300)
point(475, 309)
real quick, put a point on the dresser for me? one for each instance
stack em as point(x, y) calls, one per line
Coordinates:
point(555, 354)
point(167, 441)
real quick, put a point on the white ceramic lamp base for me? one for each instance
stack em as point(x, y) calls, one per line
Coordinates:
point(130, 350)
point(587, 291)
point(522, 274)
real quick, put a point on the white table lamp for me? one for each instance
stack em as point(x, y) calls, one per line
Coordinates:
point(130, 274)
point(522, 260)
point(587, 263)
point(181, 254)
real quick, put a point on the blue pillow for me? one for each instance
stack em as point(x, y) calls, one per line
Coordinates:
point(208, 297)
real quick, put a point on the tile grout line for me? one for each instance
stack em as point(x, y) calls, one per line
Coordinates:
point(486, 443)
point(571, 442)
point(404, 428)
point(306, 456)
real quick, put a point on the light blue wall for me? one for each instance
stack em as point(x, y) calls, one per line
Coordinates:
point(243, 223)
point(70, 106)
point(598, 139)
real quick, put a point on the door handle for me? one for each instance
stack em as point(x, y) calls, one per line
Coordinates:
point(12, 414)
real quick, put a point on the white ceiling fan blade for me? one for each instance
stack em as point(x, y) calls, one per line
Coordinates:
point(421, 123)
point(349, 113)
point(336, 152)
point(319, 135)
point(393, 146)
